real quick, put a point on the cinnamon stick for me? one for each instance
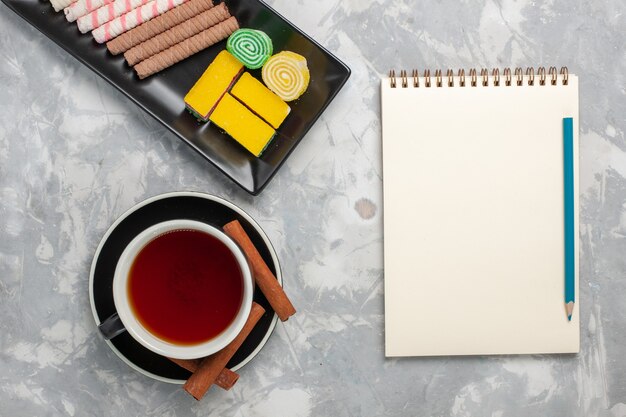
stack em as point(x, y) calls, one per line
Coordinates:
point(225, 380)
point(189, 364)
point(264, 278)
point(211, 366)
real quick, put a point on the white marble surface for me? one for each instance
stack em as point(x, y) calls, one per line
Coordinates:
point(75, 154)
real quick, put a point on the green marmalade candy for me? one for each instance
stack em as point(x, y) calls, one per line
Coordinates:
point(251, 47)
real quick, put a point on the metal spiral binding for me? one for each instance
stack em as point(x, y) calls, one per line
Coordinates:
point(495, 73)
point(392, 79)
point(553, 75)
point(519, 76)
point(565, 75)
point(404, 79)
point(472, 73)
point(541, 72)
point(438, 78)
point(530, 73)
point(516, 77)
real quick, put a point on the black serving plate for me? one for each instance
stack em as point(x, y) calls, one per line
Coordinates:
point(179, 205)
point(161, 95)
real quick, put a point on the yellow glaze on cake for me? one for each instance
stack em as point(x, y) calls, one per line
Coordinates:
point(212, 85)
point(261, 100)
point(242, 125)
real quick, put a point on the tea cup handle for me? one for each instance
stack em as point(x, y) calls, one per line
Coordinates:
point(111, 327)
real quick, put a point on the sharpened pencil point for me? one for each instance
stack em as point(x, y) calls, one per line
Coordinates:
point(569, 308)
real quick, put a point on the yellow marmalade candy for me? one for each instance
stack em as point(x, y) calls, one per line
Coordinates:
point(242, 125)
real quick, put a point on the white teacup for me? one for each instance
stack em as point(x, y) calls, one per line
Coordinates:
point(126, 320)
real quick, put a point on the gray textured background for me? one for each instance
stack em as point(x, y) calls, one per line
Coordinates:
point(75, 154)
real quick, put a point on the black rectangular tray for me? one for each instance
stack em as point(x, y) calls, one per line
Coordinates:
point(161, 95)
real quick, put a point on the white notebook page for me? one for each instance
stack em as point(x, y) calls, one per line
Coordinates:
point(473, 219)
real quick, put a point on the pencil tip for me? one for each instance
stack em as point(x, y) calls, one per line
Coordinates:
point(569, 307)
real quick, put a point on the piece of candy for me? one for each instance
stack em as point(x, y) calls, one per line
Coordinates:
point(212, 85)
point(252, 47)
point(158, 25)
point(106, 13)
point(133, 18)
point(82, 7)
point(177, 34)
point(186, 48)
point(60, 4)
point(260, 100)
point(287, 75)
point(242, 125)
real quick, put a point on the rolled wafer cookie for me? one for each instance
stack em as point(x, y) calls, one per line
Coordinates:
point(58, 5)
point(82, 7)
point(186, 48)
point(177, 34)
point(106, 13)
point(133, 18)
point(158, 25)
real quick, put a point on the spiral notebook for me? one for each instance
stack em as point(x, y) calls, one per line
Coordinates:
point(475, 212)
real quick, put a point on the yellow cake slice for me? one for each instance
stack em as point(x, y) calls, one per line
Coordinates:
point(260, 100)
point(242, 125)
point(213, 84)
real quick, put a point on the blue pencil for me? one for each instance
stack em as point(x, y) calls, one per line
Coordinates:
point(568, 179)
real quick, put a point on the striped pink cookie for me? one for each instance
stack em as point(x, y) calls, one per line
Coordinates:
point(134, 18)
point(82, 7)
point(107, 13)
point(59, 5)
